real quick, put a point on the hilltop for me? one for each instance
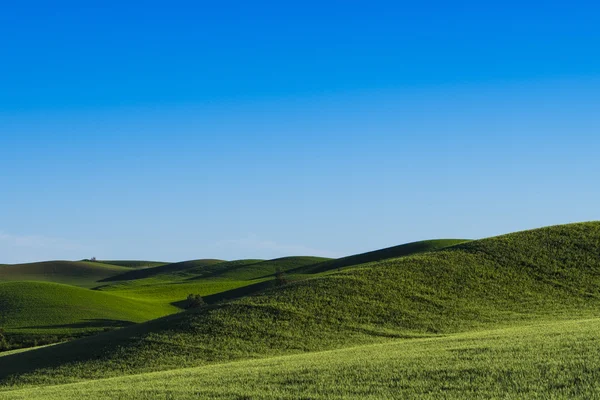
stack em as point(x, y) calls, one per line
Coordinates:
point(133, 263)
point(163, 270)
point(378, 255)
point(77, 273)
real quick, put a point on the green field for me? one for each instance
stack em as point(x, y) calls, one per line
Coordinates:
point(512, 316)
point(31, 307)
point(558, 360)
point(36, 309)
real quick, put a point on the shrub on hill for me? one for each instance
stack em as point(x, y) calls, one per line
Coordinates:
point(280, 277)
point(194, 301)
point(3, 342)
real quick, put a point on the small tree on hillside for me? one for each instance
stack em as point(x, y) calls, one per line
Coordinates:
point(280, 278)
point(3, 342)
point(194, 301)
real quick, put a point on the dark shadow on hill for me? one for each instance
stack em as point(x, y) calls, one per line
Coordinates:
point(163, 269)
point(88, 323)
point(256, 269)
point(378, 255)
point(218, 270)
point(230, 294)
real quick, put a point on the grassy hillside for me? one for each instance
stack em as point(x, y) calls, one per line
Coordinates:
point(51, 308)
point(552, 360)
point(201, 269)
point(78, 273)
point(378, 255)
point(161, 292)
point(173, 269)
point(253, 269)
point(172, 283)
point(133, 263)
point(546, 274)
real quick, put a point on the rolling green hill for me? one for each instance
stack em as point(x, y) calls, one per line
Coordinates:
point(378, 255)
point(548, 274)
point(202, 269)
point(174, 293)
point(133, 263)
point(215, 280)
point(78, 273)
point(52, 308)
point(166, 270)
point(253, 269)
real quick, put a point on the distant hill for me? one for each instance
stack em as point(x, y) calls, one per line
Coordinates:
point(253, 269)
point(214, 280)
point(77, 273)
point(133, 263)
point(545, 274)
point(210, 268)
point(52, 308)
point(378, 255)
point(166, 269)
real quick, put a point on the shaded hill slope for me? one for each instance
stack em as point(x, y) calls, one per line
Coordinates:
point(378, 255)
point(167, 269)
point(549, 273)
point(78, 273)
point(253, 269)
point(134, 263)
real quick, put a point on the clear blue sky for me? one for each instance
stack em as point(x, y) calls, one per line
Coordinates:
point(186, 129)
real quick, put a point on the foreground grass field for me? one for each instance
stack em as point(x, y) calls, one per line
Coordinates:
point(551, 360)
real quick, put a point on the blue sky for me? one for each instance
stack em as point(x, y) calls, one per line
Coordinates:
point(185, 130)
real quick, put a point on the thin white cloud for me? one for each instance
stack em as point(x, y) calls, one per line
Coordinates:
point(255, 245)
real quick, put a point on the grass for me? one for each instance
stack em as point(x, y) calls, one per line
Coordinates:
point(133, 263)
point(378, 255)
point(174, 269)
point(77, 273)
point(43, 308)
point(552, 360)
point(254, 269)
point(512, 280)
point(164, 293)
point(202, 269)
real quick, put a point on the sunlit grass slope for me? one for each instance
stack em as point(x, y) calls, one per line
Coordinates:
point(78, 273)
point(52, 308)
point(161, 292)
point(550, 360)
point(546, 274)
